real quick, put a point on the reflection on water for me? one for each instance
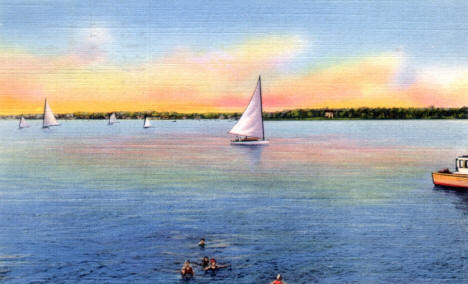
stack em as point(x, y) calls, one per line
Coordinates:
point(253, 154)
point(461, 197)
point(326, 201)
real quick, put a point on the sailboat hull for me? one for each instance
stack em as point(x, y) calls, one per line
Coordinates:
point(250, 143)
point(49, 126)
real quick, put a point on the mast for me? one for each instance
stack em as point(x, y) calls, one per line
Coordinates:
point(261, 106)
point(43, 116)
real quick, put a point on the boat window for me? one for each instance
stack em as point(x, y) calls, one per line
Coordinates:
point(466, 163)
point(460, 163)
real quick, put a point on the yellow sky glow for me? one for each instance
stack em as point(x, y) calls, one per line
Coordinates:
point(219, 80)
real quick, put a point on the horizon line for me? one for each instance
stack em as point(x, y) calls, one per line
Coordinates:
point(234, 112)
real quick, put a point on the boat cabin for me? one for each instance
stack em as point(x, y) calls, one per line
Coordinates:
point(461, 164)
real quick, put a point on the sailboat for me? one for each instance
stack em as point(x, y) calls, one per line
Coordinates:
point(249, 129)
point(49, 118)
point(112, 119)
point(147, 123)
point(23, 123)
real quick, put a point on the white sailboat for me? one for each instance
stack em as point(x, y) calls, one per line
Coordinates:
point(249, 129)
point(49, 118)
point(147, 123)
point(112, 119)
point(23, 123)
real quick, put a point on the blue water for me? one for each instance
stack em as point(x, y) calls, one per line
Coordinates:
point(325, 202)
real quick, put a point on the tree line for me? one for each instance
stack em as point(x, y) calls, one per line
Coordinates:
point(295, 114)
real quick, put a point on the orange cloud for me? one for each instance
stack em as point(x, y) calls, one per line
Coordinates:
point(220, 80)
point(362, 82)
point(183, 81)
point(440, 86)
point(370, 81)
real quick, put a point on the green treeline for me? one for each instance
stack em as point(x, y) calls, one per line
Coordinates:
point(296, 114)
point(371, 113)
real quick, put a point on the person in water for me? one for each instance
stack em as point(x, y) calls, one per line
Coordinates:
point(205, 262)
point(202, 243)
point(187, 270)
point(279, 280)
point(213, 267)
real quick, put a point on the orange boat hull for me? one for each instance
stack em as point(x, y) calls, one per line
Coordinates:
point(450, 180)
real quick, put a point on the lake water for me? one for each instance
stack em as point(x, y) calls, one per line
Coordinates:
point(325, 202)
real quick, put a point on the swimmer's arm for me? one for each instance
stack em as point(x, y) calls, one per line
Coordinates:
point(224, 266)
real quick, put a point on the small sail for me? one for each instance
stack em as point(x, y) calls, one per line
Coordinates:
point(49, 118)
point(23, 123)
point(147, 123)
point(112, 118)
point(251, 122)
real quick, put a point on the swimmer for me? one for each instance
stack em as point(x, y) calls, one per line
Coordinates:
point(213, 267)
point(205, 262)
point(279, 280)
point(187, 270)
point(202, 243)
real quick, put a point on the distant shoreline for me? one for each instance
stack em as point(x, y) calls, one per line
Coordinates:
point(363, 113)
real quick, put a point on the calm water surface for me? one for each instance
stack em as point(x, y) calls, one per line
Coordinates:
point(325, 202)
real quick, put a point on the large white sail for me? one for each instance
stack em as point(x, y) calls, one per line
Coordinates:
point(23, 123)
point(112, 118)
point(251, 122)
point(147, 123)
point(49, 118)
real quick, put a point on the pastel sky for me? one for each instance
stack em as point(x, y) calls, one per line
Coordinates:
point(206, 55)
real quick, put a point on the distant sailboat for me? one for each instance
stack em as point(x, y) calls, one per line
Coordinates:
point(23, 123)
point(250, 124)
point(112, 119)
point(147, 123)
point(49, 118)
